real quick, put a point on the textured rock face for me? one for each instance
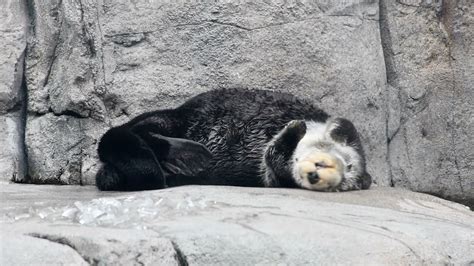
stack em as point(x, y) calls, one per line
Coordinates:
point(86, 64)
point(230, 225)
point(401, 70)
point(67, 136)
point(429, 59)
point(13, 44)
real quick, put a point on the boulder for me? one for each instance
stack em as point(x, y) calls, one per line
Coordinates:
point(202, 225)
point(428, 50)
point(61, 149)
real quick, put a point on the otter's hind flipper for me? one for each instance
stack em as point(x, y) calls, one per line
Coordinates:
point(185, 157)
point(177, 156)
point(129, 162)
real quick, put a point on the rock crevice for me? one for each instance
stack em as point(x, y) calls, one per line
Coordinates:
point(65, 242)
point(391, 76)
point(180, 257)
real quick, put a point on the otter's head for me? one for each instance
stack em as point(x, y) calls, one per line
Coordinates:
point(328, 154)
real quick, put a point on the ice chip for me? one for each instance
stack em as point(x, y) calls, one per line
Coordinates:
point(22, 216)
point(107, 219)
point(159, 202)
point(145, 212)
point(202, 204)
point(69, 213)
point(129, 198)
point(79, 206)
point(146, 202)
point(190, 202)
point(111, 202)
point(89, 213)
point(43, 213)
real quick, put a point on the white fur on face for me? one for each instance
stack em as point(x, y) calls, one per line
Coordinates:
point(318, 152)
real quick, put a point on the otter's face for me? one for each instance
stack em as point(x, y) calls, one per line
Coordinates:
point(320, 162)
point(319, 171)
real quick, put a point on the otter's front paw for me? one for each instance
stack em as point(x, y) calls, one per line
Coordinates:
point(295, 129)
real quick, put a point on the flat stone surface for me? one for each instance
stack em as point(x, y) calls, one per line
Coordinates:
point(231, 225)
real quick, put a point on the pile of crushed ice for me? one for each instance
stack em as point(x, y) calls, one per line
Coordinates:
point(127, 212)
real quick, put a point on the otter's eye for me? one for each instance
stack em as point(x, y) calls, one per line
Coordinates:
point(320, 165)
point(349, 167)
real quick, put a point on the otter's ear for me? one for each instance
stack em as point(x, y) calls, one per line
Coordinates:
point(181, 156)
point(343, 131)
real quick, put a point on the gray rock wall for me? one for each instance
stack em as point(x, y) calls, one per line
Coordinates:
point(13, 26)
point(86, 64)
point(429, 57)
point(402, 71)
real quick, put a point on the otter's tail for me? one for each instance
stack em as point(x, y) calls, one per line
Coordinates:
point(128, 162)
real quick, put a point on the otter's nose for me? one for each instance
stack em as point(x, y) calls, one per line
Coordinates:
point(313, 177)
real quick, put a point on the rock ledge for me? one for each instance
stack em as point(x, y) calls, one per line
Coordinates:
point(231, 225)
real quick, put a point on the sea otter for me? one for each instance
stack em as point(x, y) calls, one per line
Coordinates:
point(235, 137)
